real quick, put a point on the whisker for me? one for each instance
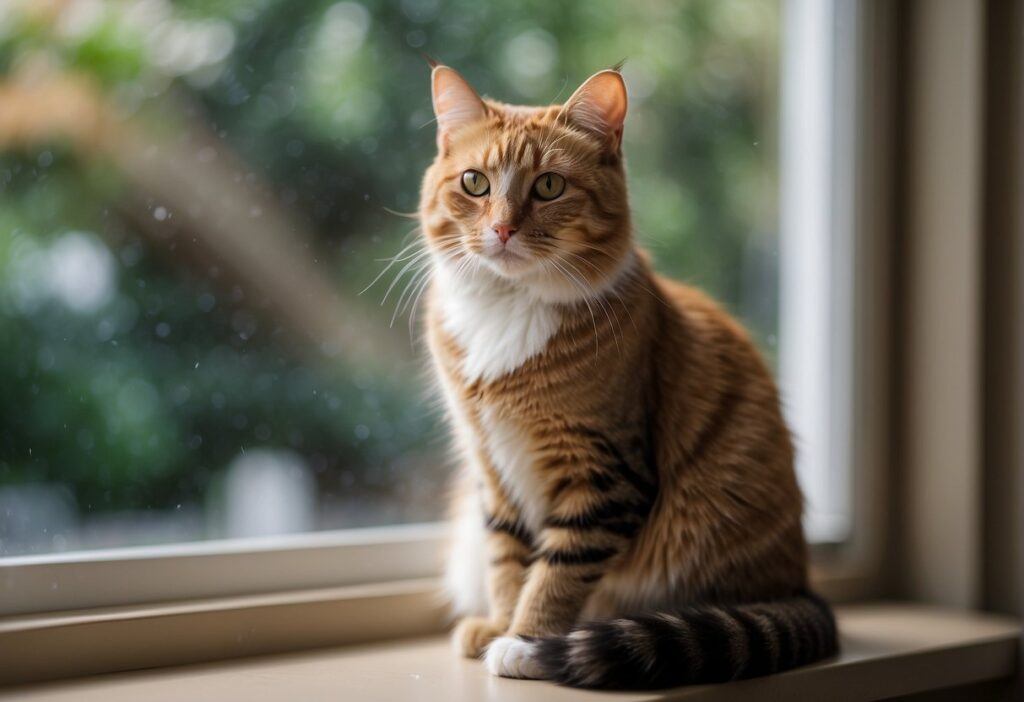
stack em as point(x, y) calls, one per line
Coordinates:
point(545, 263)
point(416, 303)
point(392, 261)
point(613, 289)
point(586, 301)
point(413, 280)
point(599, 299)
point(416, 259)
point(404, 215)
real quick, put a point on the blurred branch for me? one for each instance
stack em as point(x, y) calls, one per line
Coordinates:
point(195, 179)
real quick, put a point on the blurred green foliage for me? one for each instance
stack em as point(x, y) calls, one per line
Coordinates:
point(141, 400)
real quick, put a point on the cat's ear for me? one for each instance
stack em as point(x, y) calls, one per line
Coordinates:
point(456, 104)
point(599, 106)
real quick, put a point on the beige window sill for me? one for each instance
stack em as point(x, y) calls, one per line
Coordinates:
point(888, 650)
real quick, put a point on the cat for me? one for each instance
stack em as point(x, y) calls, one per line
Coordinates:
point(627, 513)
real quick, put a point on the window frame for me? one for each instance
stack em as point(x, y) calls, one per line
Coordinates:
point(359, 557)
point(852, 343)
point(219, 568)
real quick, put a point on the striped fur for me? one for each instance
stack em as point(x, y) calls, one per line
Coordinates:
point(626, 470)
point(700, 644)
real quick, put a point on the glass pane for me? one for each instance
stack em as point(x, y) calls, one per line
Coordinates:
point(194, 194)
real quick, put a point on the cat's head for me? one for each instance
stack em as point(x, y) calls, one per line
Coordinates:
point(529, 196)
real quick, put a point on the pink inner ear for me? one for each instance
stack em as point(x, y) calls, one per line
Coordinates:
point(599, 105)
point(456, 104)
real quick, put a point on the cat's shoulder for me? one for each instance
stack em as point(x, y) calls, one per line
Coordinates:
point(698, 310)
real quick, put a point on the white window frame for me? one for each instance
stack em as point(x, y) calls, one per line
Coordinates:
point(815, 265)
point(220, 568)
point(835, 253)
point(821, 322)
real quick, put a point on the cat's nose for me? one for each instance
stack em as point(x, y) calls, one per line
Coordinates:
point(504, 231)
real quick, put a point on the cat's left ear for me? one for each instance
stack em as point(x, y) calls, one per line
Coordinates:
point(599, 107)
point(456, 104)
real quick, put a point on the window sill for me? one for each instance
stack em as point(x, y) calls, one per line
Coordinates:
point(888, 650)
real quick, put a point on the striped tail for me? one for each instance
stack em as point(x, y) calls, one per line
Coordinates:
point(700, 644)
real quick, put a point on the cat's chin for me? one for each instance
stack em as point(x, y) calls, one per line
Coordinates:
point(509, 265)
point(519, 273)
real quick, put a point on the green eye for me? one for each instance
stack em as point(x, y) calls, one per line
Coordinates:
point(549, 186)
point(475, 183)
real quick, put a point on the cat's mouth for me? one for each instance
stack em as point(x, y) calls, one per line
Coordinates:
point(505, 260)
point(494, 251)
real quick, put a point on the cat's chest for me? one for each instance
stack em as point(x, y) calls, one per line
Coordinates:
point(496, 332)
point(509, 448)
point(496, 329)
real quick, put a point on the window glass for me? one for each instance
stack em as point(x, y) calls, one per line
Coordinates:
point(194, 196)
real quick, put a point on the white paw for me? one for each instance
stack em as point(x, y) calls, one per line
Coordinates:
point(510, 657)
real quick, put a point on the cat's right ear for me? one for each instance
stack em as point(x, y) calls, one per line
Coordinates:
point(456, 104)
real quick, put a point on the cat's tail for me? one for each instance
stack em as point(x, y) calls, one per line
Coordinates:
point(700, 644)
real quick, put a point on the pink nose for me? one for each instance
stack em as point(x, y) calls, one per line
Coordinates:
point(504, 231)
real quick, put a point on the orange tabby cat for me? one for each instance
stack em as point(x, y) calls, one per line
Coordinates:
point(628, 514)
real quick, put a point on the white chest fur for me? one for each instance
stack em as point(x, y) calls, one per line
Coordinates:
point(499, 327)
point(510, 451)
point(507, 448)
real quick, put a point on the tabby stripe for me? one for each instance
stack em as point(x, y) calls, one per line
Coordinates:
point(621, 470)
point(561, 486)
point(739, 644)
point(817, 621)
point(804, 613)
point(763, 652)
point(521, 151)
point(715, 424)
point(679, 652)
point(512, 528)
point(602, 482)
point(640, 483)
point(613, 509)
point(578, 557)
point(801, 635)
point(787, 644)
point(618, 527)
point(688, 644)
point(524, 561)
point(595, 200)
point(715, 644)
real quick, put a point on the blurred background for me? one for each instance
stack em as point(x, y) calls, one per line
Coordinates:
point(193, 194)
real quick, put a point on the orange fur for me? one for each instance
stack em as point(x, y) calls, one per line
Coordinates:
point(631, 456)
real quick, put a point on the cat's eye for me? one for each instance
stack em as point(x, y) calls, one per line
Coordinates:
point(475, 183)
point(549, 186)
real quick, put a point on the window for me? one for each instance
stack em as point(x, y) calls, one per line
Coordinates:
point(818, 171)
point(196, 195)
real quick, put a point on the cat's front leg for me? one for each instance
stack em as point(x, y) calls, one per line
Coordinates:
point(509, 546)
point(593, 520)
point(556, 590)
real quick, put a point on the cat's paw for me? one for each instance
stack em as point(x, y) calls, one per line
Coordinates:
point(511, 657)
point(472, 635)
